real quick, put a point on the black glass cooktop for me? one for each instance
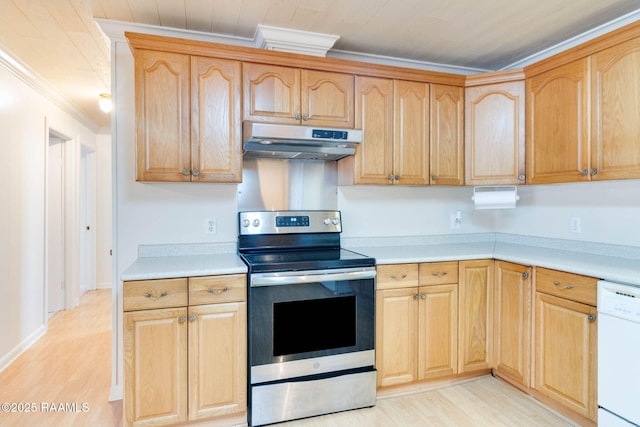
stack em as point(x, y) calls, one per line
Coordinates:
point(305, 259)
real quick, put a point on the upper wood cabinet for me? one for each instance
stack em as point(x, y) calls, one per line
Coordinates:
point(394, 118)
point(163, 121)
point(557, 124)
point(615, 112)
point(447, 135)
point(494, 134)
point(187, 118)
point(411, 133)
point(288, 95)
point(582, 117)
point(216, 128)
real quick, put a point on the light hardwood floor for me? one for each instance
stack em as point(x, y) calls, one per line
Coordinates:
point(72, 364)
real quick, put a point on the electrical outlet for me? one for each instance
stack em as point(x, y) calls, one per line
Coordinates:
point(456, 220)
point(575, 225)
point(211, 226)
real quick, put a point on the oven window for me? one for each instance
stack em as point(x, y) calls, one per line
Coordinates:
point(312, 325)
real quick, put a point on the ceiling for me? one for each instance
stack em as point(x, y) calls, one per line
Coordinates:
point(58, 40)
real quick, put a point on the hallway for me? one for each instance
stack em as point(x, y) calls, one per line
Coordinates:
point(65, 377)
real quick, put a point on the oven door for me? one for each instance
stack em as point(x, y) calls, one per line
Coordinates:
point(310, 322)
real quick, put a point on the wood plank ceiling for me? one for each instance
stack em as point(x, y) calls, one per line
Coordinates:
point(59, 41)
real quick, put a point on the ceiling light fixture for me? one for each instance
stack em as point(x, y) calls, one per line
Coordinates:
point(105, 102)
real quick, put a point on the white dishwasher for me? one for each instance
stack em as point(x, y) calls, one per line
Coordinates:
point(618, 355)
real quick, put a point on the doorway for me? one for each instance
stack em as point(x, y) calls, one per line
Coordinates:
point(55, 223)
point(70, 258)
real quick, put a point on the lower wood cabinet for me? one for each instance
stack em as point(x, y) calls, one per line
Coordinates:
point(565, 340)
point(475, 315)
point(512, 323)
point(416, 323)
point(188, 362)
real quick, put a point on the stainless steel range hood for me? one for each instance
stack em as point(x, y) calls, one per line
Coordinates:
point(298, 142)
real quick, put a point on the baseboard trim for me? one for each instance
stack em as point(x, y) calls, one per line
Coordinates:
point(116, 393)
point(10, 357)
point(103, 285)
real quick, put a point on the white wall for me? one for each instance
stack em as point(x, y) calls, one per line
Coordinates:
point(25, 115)
point(376, 211)
point(103, 212)
point(608, 212)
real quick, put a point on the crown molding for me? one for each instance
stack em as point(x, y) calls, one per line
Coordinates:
point(577, 40)
point(293, 41)
point(38, 84)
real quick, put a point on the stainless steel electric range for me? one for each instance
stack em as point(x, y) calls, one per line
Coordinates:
point(311, 316)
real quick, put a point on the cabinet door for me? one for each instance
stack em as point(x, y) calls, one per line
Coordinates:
point(438, 331)
point(374, 115)
point(615, 151)
point(327, 99)
point(162, 116)
point(512, 322)
point(447, 135)
point(558, 124)
point(217, 360)
point(565, 359)
point(396, 336)
point(271, 93)
point(216, 132)
point(494, 134)
point(155, 367)
point(475, 315)
point(411, 141)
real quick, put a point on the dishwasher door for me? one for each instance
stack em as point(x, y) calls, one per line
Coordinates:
point(618, 354)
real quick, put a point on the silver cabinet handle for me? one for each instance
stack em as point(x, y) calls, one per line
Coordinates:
point(395, 277)
point(297, 116)
point(525, 275)
point(148, 295)
point(182, 319)
point(423, 296)
point(584, 172)
point(593, 171)
point(217, 291)
point(305, 117)
point(195, 172)
point(521, 177)
point(396, 177)
point(591, 317)
point(435, 273)
point(434, 177)
point(192, 317)
point(416, 297)
point(185, 172)
point(569, 286)
point(390, 177)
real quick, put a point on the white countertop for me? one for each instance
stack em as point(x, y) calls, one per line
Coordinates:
point(611, 262)
point(170, 261)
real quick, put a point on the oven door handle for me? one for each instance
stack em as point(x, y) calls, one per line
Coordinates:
point(301, 277)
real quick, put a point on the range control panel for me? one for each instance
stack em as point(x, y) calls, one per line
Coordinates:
point(284, 222)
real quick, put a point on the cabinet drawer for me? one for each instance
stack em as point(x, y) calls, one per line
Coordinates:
point(394, 276)
point(215, 289)
point(567, 285)
point(439, 273)
point(150, 294)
